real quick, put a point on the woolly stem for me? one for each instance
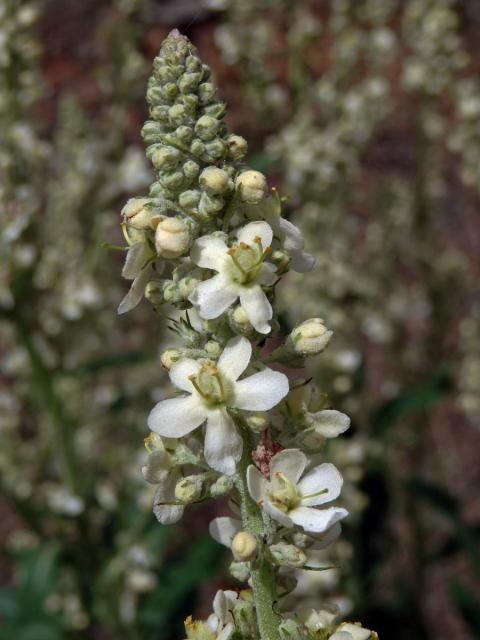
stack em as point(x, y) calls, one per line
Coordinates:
point(263, 580)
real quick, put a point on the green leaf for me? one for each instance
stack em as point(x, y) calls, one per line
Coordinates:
point(468, 606)
point(420, 398)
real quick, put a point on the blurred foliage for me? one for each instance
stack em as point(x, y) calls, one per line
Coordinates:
point(370, 112)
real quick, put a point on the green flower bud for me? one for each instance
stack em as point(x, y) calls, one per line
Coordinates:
point(215, 181)
point(189, 199)
point(189, 82)
point(138, 214)
point(221, 487)
point(244, 546)
point(207, 127)
point(240, 571)
point(178, 115)
point(290, 630)
point(172, 181)
point(210, 205)
point(213, 348)
point(190, 489)
point(245, 618)
point(165, 157)
point(152, 131)
point(239, 322)
point(169, 357)
point(281, 260)
point(191, 169)
point(287, 555)
point(184, 134)
point(237, 147)
point(257, 421)
point(154, 292)
point(251, 186)
point(172, 238)
point(310, 337)
point(197, 148)
point(216, 149)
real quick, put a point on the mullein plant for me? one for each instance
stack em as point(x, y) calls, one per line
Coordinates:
point(210, 241)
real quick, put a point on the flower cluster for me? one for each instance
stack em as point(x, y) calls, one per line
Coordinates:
point(210, 241)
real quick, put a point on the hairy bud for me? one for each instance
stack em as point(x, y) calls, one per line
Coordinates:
point(169, 357)
point(190, 489)
point(310, 337)
point(172, 238)
point(287, 555)
point(251, 186)
point(214, 180)
point(244, 546)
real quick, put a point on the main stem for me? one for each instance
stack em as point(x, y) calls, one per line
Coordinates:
point(263, 581)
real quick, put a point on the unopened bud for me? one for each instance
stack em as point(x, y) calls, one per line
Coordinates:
point(172, 238)
point(189, 489)
point(258, 421)
point(281, 260)
point(287, 555)
point(356, 631)
point(252, 186)
point(137, 213)
point(237, 147)
point(221, 487)
point(213, 348)
point(245, 616)
point(240, 571)
point(310, 337)
point(170, 357)
point(214, 180)
point(154, 292)
point(244, 546)
point(290, 630)
point(239, 321)
point(207, 127)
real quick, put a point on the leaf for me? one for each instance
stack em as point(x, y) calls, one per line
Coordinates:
point(412, 400)
point(468, 605)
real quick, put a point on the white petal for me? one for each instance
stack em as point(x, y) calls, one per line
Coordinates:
point(214, 296)
point(254, 230)
point(356, 632)
point(224, 529)
point(257, 483)
point(330, 423)
point(180, 372)
point(136, 258)
point(176, 417)
point(220, 606)
point(164, 508)
point(157, 467)
point(257, 307)
point(223, 443)
point(268, 274)
point(289, 462)
point(292, 236)
point(326, 539)
point(209, 252)
point(235, 357)
point(260, 392)
point(325, 477)
point(226, 632)
point(302, 262)
point(341, 635)
point(317, 520)
point(277, 515)
point(135, 292)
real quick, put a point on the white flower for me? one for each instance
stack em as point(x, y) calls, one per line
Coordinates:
point(165, 505)
point(213, 388)
point(224, 529)
point(291, 500)
point(241, 272)
point(349, 631)
point(221, 622)
point(138, 267)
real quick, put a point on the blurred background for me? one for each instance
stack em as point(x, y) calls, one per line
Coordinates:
point(366, 114)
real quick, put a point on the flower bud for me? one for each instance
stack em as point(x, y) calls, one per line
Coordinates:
point(290, 630)
point(213, 348)
point(237, 147)
point(281, 260)
point(245, 617)
point(221, 487)
point(210, 205)
point(252, 186)
point(154, 292)
point(169, 357)
point(165, 157)
point(310, 337)
point(214, 180)
point(239, 321)
point(240, 571)
point(356, 631)
point(172, 237)
point(244, 546)
point(137, 214)
point(258, 421)
point(287, 555)
point(189, 489)
point(207, 127)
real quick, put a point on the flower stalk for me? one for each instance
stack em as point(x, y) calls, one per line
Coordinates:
point(210, 241)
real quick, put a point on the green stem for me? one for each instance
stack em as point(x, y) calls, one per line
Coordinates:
point(44, 384)
point(263, 580)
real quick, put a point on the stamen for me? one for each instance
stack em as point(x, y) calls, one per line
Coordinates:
point(193, 380)
point(218, 378)
point(314, 495)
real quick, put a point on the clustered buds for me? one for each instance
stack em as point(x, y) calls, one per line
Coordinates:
point(210, 240)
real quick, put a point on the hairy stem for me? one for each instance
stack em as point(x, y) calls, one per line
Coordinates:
point(263, 581)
